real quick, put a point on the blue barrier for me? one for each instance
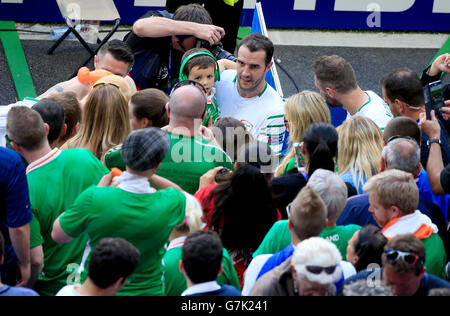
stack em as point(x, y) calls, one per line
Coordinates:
point(408, 15)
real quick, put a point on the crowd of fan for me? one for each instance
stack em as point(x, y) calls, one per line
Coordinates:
point(203, 200)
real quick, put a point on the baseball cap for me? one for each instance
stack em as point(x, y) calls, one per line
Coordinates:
point(144, 149)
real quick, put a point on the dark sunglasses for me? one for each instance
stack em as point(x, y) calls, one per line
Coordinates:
point(319, 269)
point(393, 255)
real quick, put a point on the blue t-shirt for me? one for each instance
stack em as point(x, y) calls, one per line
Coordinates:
point(443, 201)
point(348, 177)
point(7, 290)
point(15, 210)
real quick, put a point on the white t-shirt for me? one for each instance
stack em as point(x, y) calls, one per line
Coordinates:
point(68, 290)
point(262, 115)
point(375, 109)
point(4, 109)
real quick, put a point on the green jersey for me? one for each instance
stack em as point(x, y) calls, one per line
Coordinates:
point(55, 181)
point(188, 159)
point(143, 219)
point(435, 256)
point(175, 282)
point(278, 237)
point(340, 235)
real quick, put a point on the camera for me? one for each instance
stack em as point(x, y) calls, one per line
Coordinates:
point(216, 50)
point(223, 174)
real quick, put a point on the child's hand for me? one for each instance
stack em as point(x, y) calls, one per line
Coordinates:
point(225, 64)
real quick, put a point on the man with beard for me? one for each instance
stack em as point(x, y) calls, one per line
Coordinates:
point(245, 95)
point(336, 81)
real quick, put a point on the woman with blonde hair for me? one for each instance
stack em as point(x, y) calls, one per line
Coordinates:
point(105, 121)
point(301, 110)
point(359, 151)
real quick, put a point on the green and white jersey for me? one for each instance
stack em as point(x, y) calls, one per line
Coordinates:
point(175, 282)
point(262, 115)
point(278, 237)
point(375, 109)
point(189, 158)
point(211, 111)
point(55, 181)
point(143, 219)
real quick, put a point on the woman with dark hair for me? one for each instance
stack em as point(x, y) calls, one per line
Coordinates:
point(146, 109)
point(242, 209)
point(366, 247)
point(319, 143)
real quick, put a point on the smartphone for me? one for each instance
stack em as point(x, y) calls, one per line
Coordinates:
point(299, 156)
point(434, 97)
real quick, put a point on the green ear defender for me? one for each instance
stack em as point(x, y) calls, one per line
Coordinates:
point(182, 76)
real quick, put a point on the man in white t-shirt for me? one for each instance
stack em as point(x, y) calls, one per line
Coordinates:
point(245, 95)
point(336, 81)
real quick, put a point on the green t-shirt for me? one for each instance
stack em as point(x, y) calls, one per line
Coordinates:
point(435, 257)
point(54, 182)
point(113, 158)
point(188, 159)
point(278, 237)
point(175, 282)
point(145, 220)
point(212, 110)
point(340, 235)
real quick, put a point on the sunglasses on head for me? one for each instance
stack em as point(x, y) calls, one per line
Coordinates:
point(319, 269)
point(390, 139)
point(106, 84)
point(186, 83)
point(393, 255)
point(192, 83)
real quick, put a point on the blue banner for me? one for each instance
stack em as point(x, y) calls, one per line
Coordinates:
point(407, 15)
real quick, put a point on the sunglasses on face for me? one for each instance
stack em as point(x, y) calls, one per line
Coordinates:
point(393, 255)
point(319, 269)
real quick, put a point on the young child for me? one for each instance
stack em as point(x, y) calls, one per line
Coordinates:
point(200, 65)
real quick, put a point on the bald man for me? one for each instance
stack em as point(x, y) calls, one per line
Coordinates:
point(186, 111)
point(190, 155)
